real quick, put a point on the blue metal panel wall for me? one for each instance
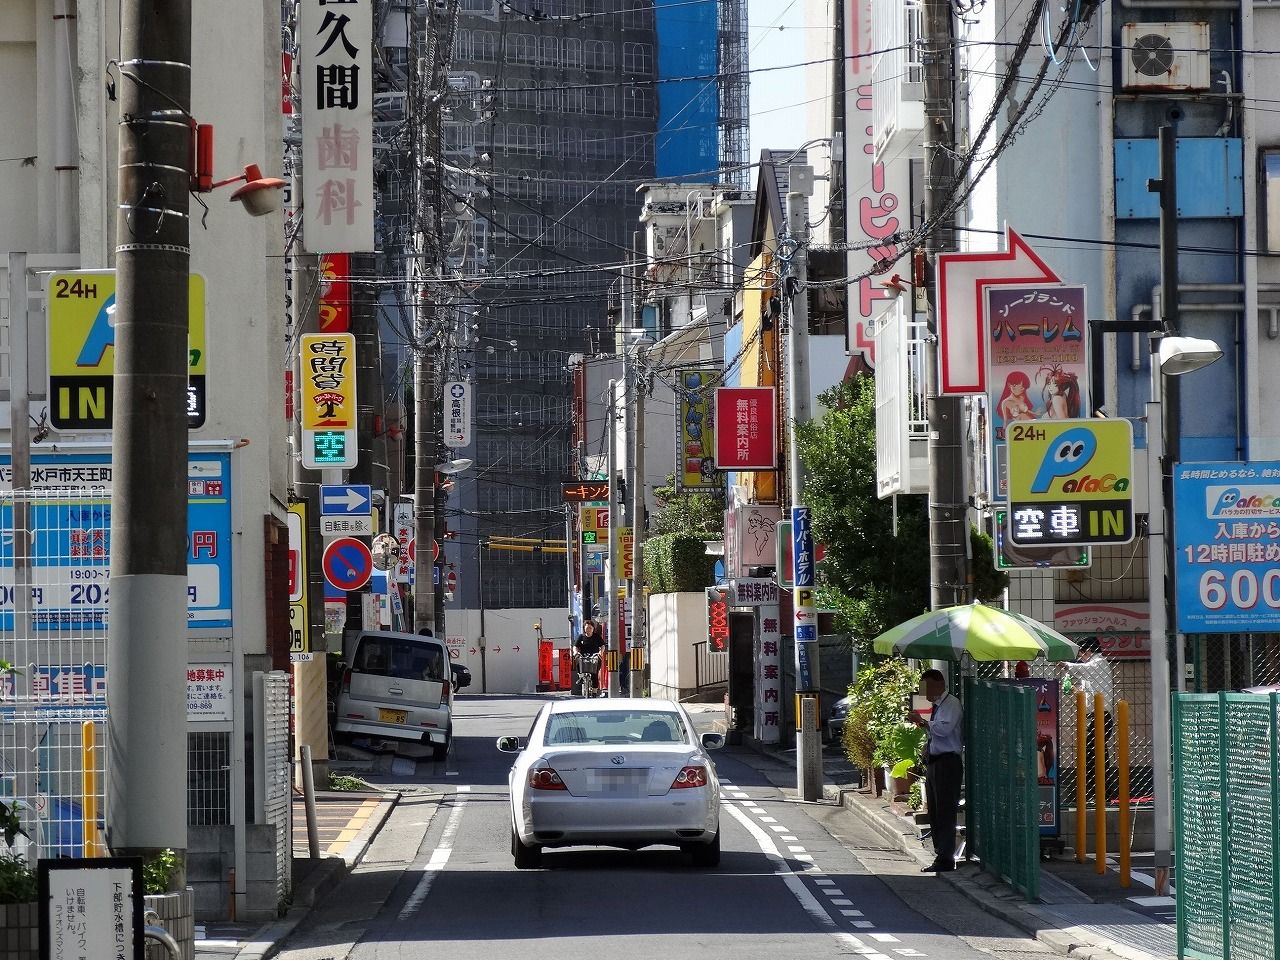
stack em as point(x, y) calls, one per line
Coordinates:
point(1210, 178)
point(688, 110)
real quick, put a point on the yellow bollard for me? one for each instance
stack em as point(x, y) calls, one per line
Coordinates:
point(1082, 781)
point(88, 789)
point(1122, 763)
point(1099, 785)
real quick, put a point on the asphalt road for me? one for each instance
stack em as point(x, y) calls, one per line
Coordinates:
point(794, 880)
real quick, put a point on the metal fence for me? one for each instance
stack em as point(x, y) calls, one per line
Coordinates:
point(1002, 799)
point(1225, 802)
point(709, 668)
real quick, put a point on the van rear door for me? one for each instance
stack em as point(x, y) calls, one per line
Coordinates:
point(392, 670)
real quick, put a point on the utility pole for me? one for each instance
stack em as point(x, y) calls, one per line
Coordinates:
point(424, 483)
point(146, 637)
point(793, 253)
point(948, 554)
point(615, 510)
point(635, 486)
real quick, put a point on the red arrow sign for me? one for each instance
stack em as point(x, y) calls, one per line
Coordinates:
point(471, 650)
point(497, 649)
point(962, 322)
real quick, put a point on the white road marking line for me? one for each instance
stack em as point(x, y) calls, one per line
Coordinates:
point(851, 913)
point(806, 857)
point(796, 849)
point(885, 938)
point(825, 883)
point(834, 892)
point(863, 924)
point(789, 839)
point(463, 788)
point(451, 773)
point(439, 857)
point(778, 828)
point(843, 903)
point(768, 820)
point(910, 953)
point(798, 890)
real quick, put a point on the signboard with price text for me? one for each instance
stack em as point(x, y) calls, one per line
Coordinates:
point(1227, 527)
point(1070, 482)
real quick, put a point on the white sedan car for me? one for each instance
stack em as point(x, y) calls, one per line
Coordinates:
point(620, 773)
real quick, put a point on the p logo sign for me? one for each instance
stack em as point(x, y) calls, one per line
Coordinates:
point(1069, 482)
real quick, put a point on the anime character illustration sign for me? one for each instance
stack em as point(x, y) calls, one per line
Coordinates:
point(1037, 362)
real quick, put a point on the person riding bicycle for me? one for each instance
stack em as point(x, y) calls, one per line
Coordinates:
point(589, 644)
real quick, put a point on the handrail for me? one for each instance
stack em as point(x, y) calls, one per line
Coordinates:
point(153, 931)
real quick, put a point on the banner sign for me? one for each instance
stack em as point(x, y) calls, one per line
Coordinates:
point(328, 406)
point(89, 907)
point(585, 491)
point(335, 47)
point(457, 414)
point(718, 619)
point(1009, 556)
point(80, 307)
point(1047, 750)
point(745, 432)
point(299, 621)
point(696, 434)
point(1037, 362)
point(624, 563)
point(752, 592)
point(335, 293)
point(768, 676)
point(209, 692)
point(1227, 528)
point(1123, 628)
point(1070, 482)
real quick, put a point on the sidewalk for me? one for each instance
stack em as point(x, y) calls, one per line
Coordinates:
point(347, 824)
point(1080, 913)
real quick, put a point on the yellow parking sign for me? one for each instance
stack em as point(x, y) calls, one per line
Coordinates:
point(80, 306)
point(1070, 482)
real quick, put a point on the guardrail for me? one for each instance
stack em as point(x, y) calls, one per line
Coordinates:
point(709, 668)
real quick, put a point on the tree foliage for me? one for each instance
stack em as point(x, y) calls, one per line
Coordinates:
point(686, 511)
point(873, 577)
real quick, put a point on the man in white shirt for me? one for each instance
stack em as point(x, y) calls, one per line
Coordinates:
point(944, 766)
point(1092, 673)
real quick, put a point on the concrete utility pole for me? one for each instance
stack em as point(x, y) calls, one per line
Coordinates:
point(948, 554)
point(147, 634)
point(794, 255)
point(635, 487)
point(609, 614)
point(424, 482)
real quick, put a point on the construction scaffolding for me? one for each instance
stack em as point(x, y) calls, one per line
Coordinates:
point(735, 122)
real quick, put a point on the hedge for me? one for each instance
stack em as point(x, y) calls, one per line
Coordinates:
point(677, 563)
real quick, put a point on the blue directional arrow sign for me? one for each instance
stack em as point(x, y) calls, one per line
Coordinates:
point(346, 500)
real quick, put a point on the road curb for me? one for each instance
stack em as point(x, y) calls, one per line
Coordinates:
point(1070, 941)
point(322, 880)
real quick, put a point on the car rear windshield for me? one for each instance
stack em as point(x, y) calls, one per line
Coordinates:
point(401, 658)
point(616, 726)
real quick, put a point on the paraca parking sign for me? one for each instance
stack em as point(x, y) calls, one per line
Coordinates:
point(1070, 482)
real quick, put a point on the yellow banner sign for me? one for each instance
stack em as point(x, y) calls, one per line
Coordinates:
point(328, 363)
point(624, 563)
point(82, 350)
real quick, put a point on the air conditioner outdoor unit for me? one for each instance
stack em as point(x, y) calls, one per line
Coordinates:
point(1166, 56)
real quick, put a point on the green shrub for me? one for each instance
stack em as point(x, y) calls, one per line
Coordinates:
point(677, 563)
point(157, 873)
point(341, 782)
point(17, 880)
point(915, 797)
point(875, 733)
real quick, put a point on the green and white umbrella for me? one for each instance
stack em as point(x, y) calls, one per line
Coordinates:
point(978, 631)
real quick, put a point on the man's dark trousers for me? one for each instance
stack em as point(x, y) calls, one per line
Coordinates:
point(944, 777)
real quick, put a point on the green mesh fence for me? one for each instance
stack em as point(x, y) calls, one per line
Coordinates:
point(1002, 800)
point(1226, 796)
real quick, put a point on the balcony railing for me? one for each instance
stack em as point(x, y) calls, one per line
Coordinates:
point(902, 421)
point(897, 77)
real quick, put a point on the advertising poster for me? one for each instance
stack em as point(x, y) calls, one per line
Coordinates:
point(1046, 751)
point(1227, 525)
point(697, 432)
point(1037, 362)
point(745, 435)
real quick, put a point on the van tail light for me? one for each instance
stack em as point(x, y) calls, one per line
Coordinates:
point(444, 690)
point(544, 778)
point(346, 681)
point(691, 776)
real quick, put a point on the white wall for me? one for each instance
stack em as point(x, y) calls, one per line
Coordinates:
point(503, 668)
point(676, 622)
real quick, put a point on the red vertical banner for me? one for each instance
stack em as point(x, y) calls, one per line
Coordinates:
point(335, 293)
point(544, 662)
point(286, 83)
point(746, 434)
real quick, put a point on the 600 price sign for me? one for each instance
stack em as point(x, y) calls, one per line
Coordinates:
point(1227, 522)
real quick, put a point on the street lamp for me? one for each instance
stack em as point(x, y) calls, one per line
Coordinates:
point(1172, 356)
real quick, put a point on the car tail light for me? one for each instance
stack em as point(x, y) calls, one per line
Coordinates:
point(692, 776)
point(346, 681)
point(544, 778)
point(444, 691)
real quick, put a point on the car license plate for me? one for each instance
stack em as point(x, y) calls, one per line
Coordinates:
point(627, 782)
point(393, 716)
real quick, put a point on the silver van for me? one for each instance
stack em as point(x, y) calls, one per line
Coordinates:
point(397, 686)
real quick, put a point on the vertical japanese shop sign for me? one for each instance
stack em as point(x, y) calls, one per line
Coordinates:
point(335, 293)
point(335, 42)
point(299, 623)
point(457, 414)
point(90, 908)
point(746, 436)
point(805, 606)
point(402, 527)
point(1047, 751)
point(328, 406)
point(768, 719)
point(718, 619)
point(624, 563)
point(1227, 526)
point(697, 433)
point(879, 190)
point(1037, 362)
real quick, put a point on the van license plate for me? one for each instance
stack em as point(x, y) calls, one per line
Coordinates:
point(393, 716)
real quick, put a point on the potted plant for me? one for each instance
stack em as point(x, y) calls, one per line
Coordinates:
point(902, 747)
point(874, 729)
point(176, 909)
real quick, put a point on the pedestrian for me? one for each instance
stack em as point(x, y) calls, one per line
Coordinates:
point(1092, 674)
point(944, 768)
point(589, 644)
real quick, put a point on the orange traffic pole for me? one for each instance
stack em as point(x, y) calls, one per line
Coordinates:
point(1099, 785)
point(1125, 839)
point(1082, 781)
point(88, 790)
